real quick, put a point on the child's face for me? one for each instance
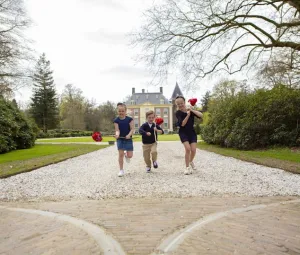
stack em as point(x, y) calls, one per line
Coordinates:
point(121, 111)
point(150, 118)
point(180, 103)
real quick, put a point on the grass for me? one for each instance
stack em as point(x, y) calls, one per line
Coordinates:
point(87, 139)
point(283, 158)
point(20, 161)
point(136, 138)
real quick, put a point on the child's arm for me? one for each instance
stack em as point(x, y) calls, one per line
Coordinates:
point(158, 129)
point(197, 113)
point(181, 122)
point(117, 130)
point(131, 130)
point(141, 130)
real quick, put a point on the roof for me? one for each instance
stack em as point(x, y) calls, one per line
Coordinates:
point(152, 98)
point(176, 92)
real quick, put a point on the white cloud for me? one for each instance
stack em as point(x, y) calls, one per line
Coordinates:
point(85, 40)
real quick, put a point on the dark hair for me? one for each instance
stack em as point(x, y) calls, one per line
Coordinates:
point(149, 113)
point(180, 97)
point(122, 105)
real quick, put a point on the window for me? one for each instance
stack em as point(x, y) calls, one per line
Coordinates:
point(129, 112)
point(166, 122)
point(147, 96)
point(136, 112)
point(166, 111)
point(162, 101)
point(157, 111)
point(156, 96)
point(136, 123)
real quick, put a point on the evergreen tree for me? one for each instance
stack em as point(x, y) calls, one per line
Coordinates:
point(14, 103)
point(44, 106)
point(205, 101)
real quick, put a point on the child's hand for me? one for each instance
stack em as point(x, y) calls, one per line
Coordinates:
point(148, 133)
point(188, 112)
point(127, 136)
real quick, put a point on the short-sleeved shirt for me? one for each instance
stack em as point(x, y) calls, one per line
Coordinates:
point(189, 126)
point(124, 125)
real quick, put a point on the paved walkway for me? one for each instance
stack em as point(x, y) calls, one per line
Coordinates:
point(226, 207)
point(199, 225)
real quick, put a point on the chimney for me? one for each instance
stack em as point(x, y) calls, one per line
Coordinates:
point(143, 91)
point(161, 89)
point(133, 91)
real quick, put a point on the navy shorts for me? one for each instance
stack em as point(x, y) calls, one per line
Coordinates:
point(191, 137)
point(125, 144)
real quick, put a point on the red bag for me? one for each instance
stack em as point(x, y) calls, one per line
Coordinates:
point(193, 101)
point(159, 121)
point(97, 137)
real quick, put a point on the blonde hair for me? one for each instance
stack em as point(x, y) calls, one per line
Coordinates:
point(149, 113)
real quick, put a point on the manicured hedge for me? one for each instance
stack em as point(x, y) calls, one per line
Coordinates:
point(255, 120)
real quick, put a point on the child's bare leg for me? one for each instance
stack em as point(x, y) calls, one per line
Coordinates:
point(129, 154)
point(193, 151)
point(187, 148)
point(121, 159)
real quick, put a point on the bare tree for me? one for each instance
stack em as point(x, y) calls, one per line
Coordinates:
point(72, 108)
point(284, 68)
point(203, 37)
point(14, 47)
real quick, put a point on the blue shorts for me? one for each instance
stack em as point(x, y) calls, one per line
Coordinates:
point(191, 137)
point(125, 144)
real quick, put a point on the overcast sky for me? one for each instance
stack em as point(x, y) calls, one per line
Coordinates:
point(86, 44)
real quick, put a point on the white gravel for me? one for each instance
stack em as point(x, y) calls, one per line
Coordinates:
point(94, 176)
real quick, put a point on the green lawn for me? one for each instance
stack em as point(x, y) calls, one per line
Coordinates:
point(40, 155)
point(86, 139)
point(136, 138)
point(284, 158)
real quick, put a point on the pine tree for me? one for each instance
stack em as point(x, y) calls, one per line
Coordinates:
point(44, 106)
point(205, 101)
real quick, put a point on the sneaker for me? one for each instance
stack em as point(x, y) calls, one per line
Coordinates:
point(121, 173)
point(127, 159)
point(193, 166)
point(148, 169)
point(187, 171)
point(155, 165)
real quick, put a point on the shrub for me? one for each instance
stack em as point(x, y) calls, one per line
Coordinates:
point(197, 129)
point(255, 120)
point(16, 132)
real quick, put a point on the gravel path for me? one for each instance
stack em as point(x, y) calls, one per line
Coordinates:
point(94, 176)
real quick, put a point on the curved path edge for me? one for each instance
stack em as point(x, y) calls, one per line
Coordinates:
point(171, 242)
point(107, 243)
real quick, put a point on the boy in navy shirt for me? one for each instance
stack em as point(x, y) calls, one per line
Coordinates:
point(149, 132)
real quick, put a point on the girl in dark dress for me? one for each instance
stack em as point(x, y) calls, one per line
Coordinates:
point(187, 134)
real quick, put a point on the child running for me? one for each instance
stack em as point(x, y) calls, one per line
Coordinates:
point(124, 130)
point(187, 134)
point(149, 131)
